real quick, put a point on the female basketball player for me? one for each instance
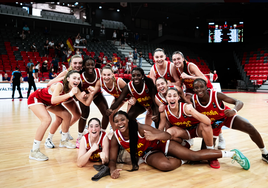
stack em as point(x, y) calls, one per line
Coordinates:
point(143, 90)
point(114, 87)
point(71, 105)
point(91, 77)
point(210, 103)
point(50, 99)
point(163, 68)
point(152, 146)
point(94, 146)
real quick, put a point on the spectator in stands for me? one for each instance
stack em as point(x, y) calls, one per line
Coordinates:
point(215, 76)
point(123, 65)
point(6, 78)
point(135, 55)
point(44, 67)
point(130, 57)
point(29, 64)
point(114, 59)
point(128, 66)
point(98, 62)
point(104, 60)
point(114, 36)
point(46, 45)
point(37, 69)
point(51, 45)
point(26, 29)
point(83, 41)
point(64, 55)
point(58, 49)
point(136, 37)
point(63, 67)
point(102, 29)
point(140, 59)
point(55, 64)
point(123, 41)
point(115, 69)
point(33, 47)
point(22, 35)
point(46, 32)
point(77, 40)
point(52, 73)
point(78, 52)
point(16, 79)
point(69, 54)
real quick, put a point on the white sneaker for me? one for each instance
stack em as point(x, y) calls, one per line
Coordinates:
point(67, 144)
point(37, 155)
point(221, 144)
point(49, 143)
point(69, 136)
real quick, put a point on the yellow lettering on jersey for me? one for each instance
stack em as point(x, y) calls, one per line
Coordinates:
point(146, 98)
point(210, 113)
point(185, 123)
point(128, 149)
point(140, 153)
point(140, 145)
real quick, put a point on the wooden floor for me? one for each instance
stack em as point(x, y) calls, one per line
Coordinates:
point(18, 126)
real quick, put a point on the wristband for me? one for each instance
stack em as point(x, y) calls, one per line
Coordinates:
point(71, 94)
point(234, 110)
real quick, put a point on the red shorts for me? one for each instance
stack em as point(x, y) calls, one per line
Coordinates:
point(34, 99)
point(162, 146)
point(228, 122)
point(192, 133)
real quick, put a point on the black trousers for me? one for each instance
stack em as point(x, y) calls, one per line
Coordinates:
point(16, 84)
point(31, 84)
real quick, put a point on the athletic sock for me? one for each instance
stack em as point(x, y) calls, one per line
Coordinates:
point(210, 147)
point(264, 151)
point(64, 136)
point(221, 136)
point(50, 136)
point(80, 135)
point(36, 144)
point(227, 154)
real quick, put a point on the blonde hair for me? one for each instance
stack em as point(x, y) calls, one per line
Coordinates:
point(70, 62)
point(114, 79)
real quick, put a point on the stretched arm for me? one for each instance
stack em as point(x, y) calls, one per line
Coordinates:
point(83, 154)
point(238, 104)
point(151, 133)
point(11, 79)
point(104, 155)
point(59, 78)
point(163, 121)
point(124, 93)
point(113, 157)
point(200, 117)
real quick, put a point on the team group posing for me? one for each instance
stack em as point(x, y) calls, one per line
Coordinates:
point(176, 96)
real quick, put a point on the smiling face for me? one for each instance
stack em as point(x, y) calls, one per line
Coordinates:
point(159, 57)
point(161, 85)
point(121, 122)
point(200, 88)
point(177, 60)
point(107, 75)
point(94, 128)
point(137, 77)
point(89, 66)
point(172, 98)
point(74, 80)
point(77, 64)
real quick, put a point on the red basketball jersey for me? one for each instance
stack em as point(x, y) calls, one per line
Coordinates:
point(167, 74)
point(143, 97)
point(184, 121)
point(86, 84)
point(213, 109)
point(143, 145)
point(95, 156)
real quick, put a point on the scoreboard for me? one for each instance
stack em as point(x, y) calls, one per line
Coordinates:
point(224, 32)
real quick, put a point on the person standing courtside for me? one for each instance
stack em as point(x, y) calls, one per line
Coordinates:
point(16, 79)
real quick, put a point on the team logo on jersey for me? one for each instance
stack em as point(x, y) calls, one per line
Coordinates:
point(184, 116)
point(147, 90)
point(168, 74)
point(214, 105)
